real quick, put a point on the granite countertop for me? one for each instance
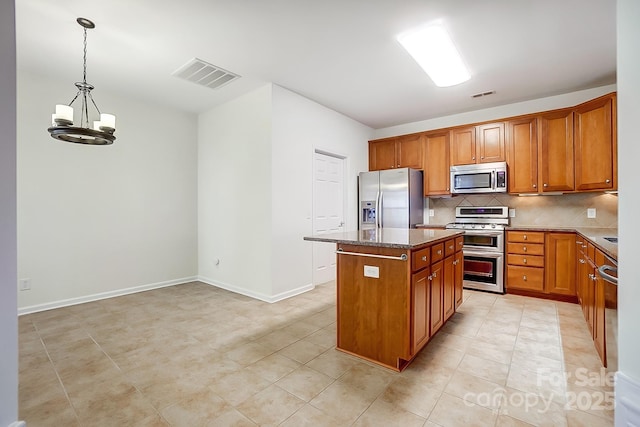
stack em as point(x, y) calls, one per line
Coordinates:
point(595, 235)
point(400, 238)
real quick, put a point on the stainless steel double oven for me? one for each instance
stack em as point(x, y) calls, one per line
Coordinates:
point(483, 248)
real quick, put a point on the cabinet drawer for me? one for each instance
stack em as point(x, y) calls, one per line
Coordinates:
point(525, 248)
point(525, 236)
point(525, 260)
point(527, 278)
point(437, 252)
point(459, 243)
point(449, 247)
point(420, 259)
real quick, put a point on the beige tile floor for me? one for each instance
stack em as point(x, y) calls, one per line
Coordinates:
point(195, 355)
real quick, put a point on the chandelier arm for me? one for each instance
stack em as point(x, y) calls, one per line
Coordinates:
point(94, 103)
point(74, 98)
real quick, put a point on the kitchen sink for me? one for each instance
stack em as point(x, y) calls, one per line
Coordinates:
point(611, 239)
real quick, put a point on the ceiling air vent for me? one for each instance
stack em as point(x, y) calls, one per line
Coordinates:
point(205, 74)
point(481, 94)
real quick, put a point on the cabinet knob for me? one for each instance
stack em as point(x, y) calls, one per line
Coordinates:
point(524, 278)
point(525, 237)
point(524, 261)
point(524, 248)
point(451, 247)
point(545, 185)
point(424, 258)
point(430, 277)
point(607, 181)
point(590, 276)
point(435, 275)
point(439, 252)
point(535, 186)
point(481, 157)
point(473, 158)
point(581, 261)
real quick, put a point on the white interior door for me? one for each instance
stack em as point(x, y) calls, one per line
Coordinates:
point(328, 212)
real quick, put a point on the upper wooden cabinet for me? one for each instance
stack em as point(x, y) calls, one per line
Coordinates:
point(477, 144)
point(436, 163)
point(398, 152)
point(595, 145)
point(556, 151)
point(522, 155)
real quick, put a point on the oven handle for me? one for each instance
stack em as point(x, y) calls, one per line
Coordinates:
point(482, 253)
point(484, 233)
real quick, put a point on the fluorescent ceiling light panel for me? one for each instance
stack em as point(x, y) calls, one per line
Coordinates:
point(434, 51)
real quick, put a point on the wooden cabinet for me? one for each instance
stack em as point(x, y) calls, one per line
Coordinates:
point(458, 278)
point(522, 155)
point(478, 144)
point(436, 164)
point(421, 305)
point(436, 285)
point(595, 145)
point(463, 146)
point(449, 266)
point(556, 151)
point(397, 152)
point(525, 251)
point(560, 254)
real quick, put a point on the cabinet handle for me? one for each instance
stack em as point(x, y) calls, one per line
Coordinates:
point(584, 246)
point(424, 258)
point(439, 252)
point(524, 278)
point(525, 237)
point(607, 181)
point(430, 277)
point(581, 261)
point(451, 247)
point(579, 243)
point(524, 248)
point(524, 261)
point(435, 275)
point(535, 186)
point(590, 276)
point(545, 185)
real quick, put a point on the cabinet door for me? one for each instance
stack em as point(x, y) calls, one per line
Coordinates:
point(420, 310)
point(436, 285)
point(560, 253)
point(382, 154)
point(556, 151)
point(458, 277)
point(599, 319)
point(436, 164)
point(409, 151)
point(463, 146)
point(595, 145)
point(491, 143)
point(522, 155)
point(448, 296)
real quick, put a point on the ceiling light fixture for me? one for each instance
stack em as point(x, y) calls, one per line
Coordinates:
point(434, 51)
point(62, 127)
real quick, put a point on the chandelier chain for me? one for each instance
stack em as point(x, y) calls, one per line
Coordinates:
point(84, 68)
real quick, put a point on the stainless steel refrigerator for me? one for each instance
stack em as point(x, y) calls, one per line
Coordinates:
point(390, 198)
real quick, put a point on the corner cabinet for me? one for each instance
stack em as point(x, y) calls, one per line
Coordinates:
point(595, 145)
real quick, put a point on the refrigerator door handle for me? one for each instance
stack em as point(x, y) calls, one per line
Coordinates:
point(379, 215)
point(378, 209)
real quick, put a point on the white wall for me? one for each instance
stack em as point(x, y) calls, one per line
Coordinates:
point(8, 257)
point(255, 181)
point(234, 194)
point(509, 110)
point(628, 155)
point(301, 126)
point(100, 221)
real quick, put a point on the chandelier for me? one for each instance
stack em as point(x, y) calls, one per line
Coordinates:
point(62, 126)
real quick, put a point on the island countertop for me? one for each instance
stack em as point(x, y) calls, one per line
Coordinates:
point(400, 238)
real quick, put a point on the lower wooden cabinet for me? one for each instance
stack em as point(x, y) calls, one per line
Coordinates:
point(458, 278)
point(436, 285)
point(525, 266)
point(560, 257)
point(448, 296)
point(420, 309)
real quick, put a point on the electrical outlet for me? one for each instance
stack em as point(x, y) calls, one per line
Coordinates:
point(512, 213)
point(25, 284)
point(432, 212)
point(591, 213)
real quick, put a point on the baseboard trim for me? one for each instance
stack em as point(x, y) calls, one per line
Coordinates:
point(103, 295)
point(627, 393)
point(256, 295)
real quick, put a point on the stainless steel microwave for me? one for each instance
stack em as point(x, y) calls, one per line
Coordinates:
point(480, 178)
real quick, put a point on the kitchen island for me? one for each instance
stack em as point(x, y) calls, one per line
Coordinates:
point(395, 290)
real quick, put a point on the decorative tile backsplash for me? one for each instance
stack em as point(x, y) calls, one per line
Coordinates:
point(567, 210)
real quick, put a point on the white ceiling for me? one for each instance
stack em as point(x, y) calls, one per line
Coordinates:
point(340, 53)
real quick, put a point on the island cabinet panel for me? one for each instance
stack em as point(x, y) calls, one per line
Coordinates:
point(436, 284)
point(448, 296)
point(458, 278)
point(595, 145)
point(373, 312)
point(421, 303)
